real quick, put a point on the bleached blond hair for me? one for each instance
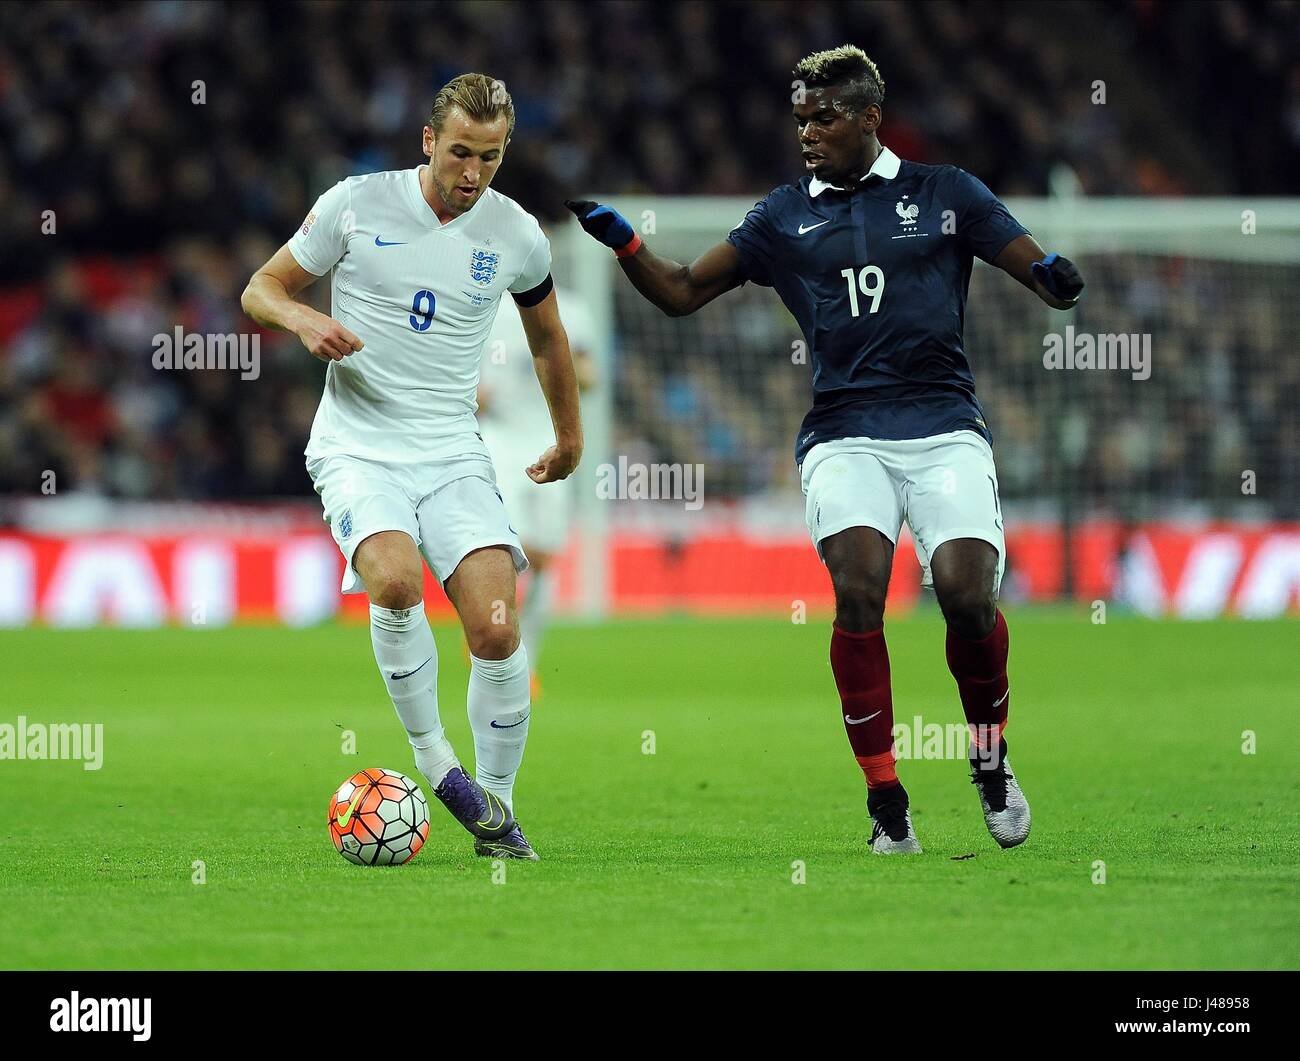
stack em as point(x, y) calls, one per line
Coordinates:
point(847, 68)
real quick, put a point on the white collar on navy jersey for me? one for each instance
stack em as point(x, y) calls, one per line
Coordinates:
point(886, 166)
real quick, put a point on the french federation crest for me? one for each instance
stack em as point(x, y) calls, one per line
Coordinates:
point(908, 214)
point(483, 266)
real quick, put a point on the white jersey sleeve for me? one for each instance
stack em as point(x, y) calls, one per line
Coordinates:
point(537, 267)
point(321, 239)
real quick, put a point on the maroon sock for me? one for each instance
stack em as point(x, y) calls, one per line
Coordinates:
point(861, 666)
point(980, 668)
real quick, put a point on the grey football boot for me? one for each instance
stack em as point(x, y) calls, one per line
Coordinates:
point(1006, 811)
point(891, 832)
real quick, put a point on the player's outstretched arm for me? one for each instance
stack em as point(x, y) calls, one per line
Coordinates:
point(269, 299)
point(549, 344)
point(1054, 279)
point(675, 288)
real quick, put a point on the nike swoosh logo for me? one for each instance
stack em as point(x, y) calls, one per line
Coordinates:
point(859, 721)
point(381, 243)
point(512, 725)
point(1004, 696)
point(491, 821)
point(346, 816)
point(399, 677)
point(809, 228)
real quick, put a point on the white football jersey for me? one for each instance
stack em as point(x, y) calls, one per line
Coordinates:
point(516, 413)
point(422, 296)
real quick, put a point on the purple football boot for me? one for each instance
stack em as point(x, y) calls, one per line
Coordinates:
point(512, 845)
point(482, 813)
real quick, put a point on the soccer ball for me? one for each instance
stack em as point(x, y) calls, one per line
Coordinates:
point(378, 818)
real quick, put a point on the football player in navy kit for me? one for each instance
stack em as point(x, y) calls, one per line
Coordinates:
point(872, 255)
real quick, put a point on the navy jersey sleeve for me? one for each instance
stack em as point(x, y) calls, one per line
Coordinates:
point(984, 224)
point(752, 238)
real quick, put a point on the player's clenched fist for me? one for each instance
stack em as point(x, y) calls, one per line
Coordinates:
point(604, 223)
point(325, 337)
point(555, 464)
point(1059, 276)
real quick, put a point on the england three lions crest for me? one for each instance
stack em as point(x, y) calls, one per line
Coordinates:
point(483, 266)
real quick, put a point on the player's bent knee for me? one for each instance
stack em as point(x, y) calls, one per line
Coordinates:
point(493, 641)
point(969, 613)
point(394, 590)
point(389, 565)
point(859, 605)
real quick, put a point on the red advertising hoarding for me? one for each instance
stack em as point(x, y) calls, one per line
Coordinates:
point(212, 579)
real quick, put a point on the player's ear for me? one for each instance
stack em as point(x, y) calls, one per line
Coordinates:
point(872, 117)
point(430, 138)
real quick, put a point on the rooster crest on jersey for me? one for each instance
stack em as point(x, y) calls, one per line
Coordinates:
point(909, 213)
point(483, 266)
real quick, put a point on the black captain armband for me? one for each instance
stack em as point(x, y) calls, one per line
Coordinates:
point(534, 295)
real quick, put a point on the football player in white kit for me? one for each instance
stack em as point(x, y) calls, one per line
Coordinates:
point(418, 261)
point(514, 417)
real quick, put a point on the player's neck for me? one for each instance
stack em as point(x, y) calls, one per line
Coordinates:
point(858, 172)
point(432, 196)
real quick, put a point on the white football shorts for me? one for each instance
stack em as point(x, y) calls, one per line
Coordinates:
point(449, 507)
point(943, 487)
point(540, 511)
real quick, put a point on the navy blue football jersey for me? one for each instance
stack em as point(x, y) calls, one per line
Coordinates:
point(877, 277)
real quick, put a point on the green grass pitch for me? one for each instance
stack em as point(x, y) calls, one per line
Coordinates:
point(224, 746)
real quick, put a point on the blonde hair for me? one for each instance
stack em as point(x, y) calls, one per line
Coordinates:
point(482, 98)
point(846, 67)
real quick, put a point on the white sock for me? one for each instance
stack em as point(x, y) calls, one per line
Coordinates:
point(535, 612)
point(404, 646)
point(498, 693)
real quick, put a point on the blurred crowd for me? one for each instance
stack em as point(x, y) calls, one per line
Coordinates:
point(1216, 421)
point(176, 144)
point(80, 396)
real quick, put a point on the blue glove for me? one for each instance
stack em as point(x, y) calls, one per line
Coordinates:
point(603, 222)
point(1059, 275)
